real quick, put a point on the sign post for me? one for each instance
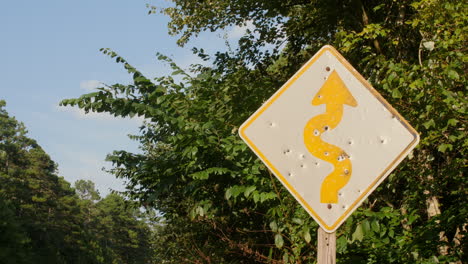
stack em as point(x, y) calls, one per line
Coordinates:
point(330, 138)
point(326, 247)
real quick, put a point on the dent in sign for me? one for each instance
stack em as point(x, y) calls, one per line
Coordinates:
point(334, 94)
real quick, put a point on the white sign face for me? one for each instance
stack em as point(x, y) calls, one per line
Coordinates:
point(329, 137)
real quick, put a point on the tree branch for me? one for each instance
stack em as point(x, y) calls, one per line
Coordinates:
point(365, 22)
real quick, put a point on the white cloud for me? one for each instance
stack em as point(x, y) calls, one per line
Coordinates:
point(76, 165)
point(81, 114)
point(238, 31)
point(90, 85)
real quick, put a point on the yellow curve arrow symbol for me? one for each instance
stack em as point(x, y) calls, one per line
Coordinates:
point(334, 94)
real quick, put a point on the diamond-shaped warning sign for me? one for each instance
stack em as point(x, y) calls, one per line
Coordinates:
point(329, 137)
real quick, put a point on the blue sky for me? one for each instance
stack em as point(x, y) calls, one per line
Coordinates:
point(50, 51)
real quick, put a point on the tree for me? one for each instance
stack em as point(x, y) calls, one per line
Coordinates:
point(44, 221)
point(14, 242)
point(124, 230)
point(86, 190)
point(195, 169)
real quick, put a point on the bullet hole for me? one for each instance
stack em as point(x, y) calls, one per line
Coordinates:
point(340, 194)
point(327, 68)
point(329, 206)
point(346, 171)
point(350, 142)
point(319, 96)
point(326, 153)
point(340, 158)
point(316, 163)
point(316, 132)
point(272, 124)
point(302, 166)
point(326, 128)
point(290, 174)
point(344, 206)
point(302, 156)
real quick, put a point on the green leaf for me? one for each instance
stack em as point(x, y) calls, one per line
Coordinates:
point(375, 226)
point(366, 229)
point(202, 175)
point(228, 194)
point(341, 244)
point(429, 124)
point(256, 196)
point(453, 74)
point(200, 211)
point(412, 218)
point(452, 122)
point(279, 241)
point(443, 147)
point(297, 221)
point(273, 226)
point(307, 237)
point(396, 93)
point(249, 190)
point(358, 233)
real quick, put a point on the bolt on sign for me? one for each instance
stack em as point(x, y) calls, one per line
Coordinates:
point(329, 137)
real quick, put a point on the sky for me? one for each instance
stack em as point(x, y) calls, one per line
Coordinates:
point(50, 51)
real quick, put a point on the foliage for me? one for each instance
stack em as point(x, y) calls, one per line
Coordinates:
point(13, 242)
point(86, 190)
point(44, 221)
point(221, 205)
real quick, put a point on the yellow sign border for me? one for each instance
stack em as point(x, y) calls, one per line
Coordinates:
point(283, 180)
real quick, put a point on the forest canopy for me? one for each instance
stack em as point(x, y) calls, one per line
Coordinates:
point(45, 220)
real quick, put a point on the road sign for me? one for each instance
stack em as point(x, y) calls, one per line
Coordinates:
point(329, 137)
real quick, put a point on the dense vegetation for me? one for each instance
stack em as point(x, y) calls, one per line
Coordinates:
point(221, 205)
point(44, 220)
